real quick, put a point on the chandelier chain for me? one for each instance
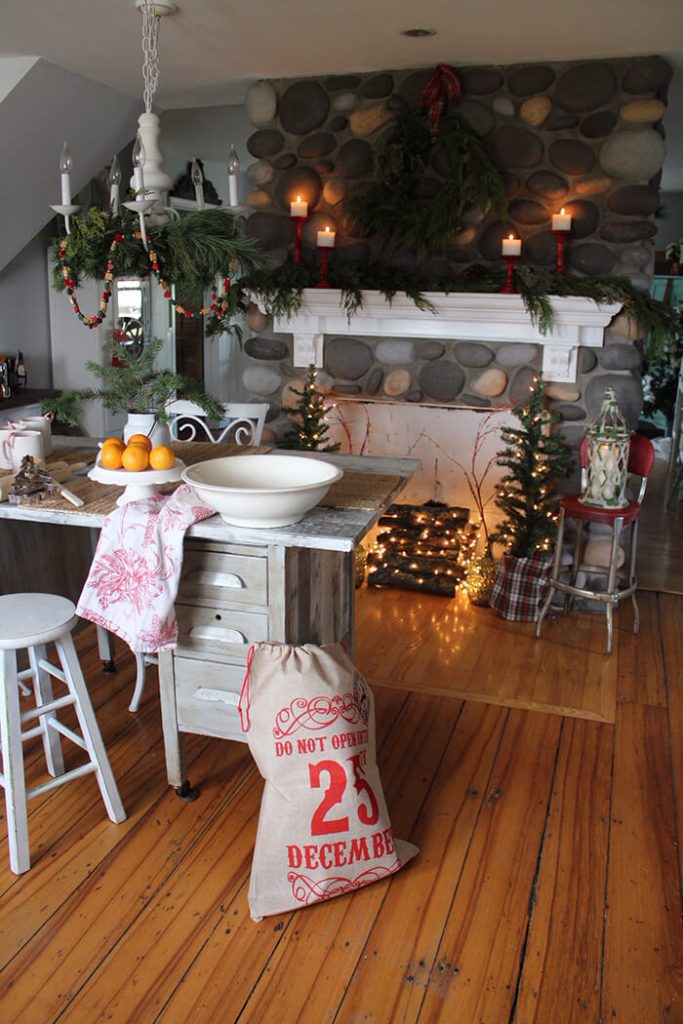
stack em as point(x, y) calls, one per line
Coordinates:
point(150, 52)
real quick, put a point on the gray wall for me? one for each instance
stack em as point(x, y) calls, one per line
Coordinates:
point(24, 314)
point(670, 226)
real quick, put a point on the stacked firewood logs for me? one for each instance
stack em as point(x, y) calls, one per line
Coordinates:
point(423, 547)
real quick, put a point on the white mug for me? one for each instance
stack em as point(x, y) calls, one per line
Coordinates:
point(20, 443)
point(5, 457)
point(44, 425)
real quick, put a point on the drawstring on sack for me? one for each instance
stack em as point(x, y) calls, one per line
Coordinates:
point(245, 695)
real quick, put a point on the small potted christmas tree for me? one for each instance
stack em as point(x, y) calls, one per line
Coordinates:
point(534, 458)
point(310, 430)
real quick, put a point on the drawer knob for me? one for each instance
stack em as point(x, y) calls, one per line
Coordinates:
point(221, 634)
point(217, 696)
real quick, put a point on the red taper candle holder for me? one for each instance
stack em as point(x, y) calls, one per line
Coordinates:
point(298, 224)
point(324, 267)
point(559, 254)
point(509, 288)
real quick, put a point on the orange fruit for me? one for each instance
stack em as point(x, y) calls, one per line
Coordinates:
point(140, 439)
point(113, 442)
point(135, 458)
point(161, 457)
point(110, 456)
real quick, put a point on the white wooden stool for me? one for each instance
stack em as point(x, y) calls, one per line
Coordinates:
point(31, 621)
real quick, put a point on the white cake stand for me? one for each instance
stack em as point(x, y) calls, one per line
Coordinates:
point(137, 485)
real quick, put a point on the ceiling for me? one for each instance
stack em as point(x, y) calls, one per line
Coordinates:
point(210, 50)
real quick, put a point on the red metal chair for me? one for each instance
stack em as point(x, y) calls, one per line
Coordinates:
point(640, 462)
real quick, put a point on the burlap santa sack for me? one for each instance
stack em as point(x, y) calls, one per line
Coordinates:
point(324, 830)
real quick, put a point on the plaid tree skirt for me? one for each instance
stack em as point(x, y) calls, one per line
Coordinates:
point(520, 586)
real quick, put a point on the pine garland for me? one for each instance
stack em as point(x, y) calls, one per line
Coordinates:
point(533, 458)
point(282, 291)
point(133, 386)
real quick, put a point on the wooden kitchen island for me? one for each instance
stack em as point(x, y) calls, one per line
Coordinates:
point(239, 586)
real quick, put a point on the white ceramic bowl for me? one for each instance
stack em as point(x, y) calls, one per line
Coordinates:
point(262, 491)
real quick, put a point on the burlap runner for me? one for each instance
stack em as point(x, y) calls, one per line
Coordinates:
point(354, 490)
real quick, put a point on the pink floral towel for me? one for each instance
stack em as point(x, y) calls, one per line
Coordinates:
point(133, 580)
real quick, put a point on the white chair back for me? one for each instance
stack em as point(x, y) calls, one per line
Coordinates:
point(245, 422)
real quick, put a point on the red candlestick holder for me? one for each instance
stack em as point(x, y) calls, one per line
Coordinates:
point(509, 288)
point(324, 267)
point(299, 225)
point(559, 254)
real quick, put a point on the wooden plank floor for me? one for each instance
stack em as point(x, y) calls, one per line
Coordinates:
point(547, 889)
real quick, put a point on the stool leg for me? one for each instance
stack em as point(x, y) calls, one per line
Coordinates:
point(13, 764)
point(105, 645)
point(139, 682)
point(89, 728)
point(633, 582)
point(42, 685)
point(576, 561)
point(611, 578)
point(555, 572)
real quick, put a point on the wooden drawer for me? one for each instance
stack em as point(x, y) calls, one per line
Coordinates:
point(207, 695)
point(226, 635)
point(217, 579)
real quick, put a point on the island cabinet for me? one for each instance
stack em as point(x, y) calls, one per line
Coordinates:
point(230, 597)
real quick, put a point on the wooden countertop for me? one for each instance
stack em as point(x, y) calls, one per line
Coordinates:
point(334, 529)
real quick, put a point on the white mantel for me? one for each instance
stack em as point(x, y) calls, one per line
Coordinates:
point(467, 316)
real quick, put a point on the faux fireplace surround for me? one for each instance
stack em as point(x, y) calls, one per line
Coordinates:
point(483, 317)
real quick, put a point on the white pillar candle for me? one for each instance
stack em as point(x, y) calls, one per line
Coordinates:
point(326, 239)
point(233, 172)
point(512, 246)
point(299, 208)
point(562, 221)
point(64, 168)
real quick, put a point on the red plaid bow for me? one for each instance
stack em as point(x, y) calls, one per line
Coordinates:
point(444, 85)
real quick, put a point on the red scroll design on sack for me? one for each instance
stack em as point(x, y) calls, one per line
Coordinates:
point(317, 713)
point(307, 891)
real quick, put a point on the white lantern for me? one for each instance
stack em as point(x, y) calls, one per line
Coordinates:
point(608, 440)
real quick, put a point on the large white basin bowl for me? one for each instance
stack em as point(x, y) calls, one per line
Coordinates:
point(262, 491)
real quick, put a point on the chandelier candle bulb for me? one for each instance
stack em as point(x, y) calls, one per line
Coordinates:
point(326, 239)
point(65, 165)
point(198, 182)
point(512, 246)
point(138, 163)
point(562, 221)
point(114, 184)
point(233, 172)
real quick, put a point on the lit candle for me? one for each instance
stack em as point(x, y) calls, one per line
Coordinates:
point(512, 246)
point(326, 239)
point(138, 164)
point(65, 165)
point(233, 171)
point(114, 183)
point(299, 208)
point(562, 221)
point(198, 182)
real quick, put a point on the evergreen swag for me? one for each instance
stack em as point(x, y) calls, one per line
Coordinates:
point(192, 251)
point(281, 291)
point(534, 458)
point(398, 208)
point(133, 385)
point(311, 431)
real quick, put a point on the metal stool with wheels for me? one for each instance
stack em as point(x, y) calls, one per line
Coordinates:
point(640, 462)
point(31, 621)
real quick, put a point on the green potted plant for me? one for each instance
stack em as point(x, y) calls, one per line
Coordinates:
point(533, 459)
point(130, 384)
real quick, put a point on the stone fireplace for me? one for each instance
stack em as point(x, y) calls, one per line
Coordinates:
point(587, 136)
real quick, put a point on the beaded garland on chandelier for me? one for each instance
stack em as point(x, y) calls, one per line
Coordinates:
point(218, 304)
